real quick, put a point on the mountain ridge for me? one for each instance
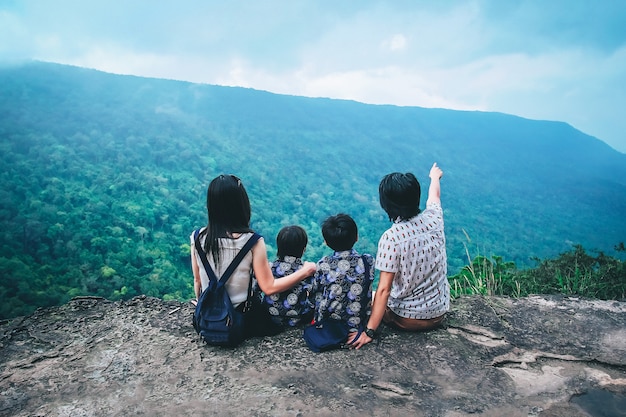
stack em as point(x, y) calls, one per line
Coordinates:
point(105, 177)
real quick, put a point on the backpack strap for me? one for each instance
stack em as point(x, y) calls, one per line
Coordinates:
point(207, 267)
point(213, 280)
point(233, 265)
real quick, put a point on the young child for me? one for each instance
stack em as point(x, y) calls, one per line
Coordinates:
point(292, 307)
point(342, 289)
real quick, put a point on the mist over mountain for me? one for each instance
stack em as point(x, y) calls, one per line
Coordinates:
point(104, 178)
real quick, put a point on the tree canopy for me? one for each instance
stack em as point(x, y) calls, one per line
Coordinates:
point(104, 178)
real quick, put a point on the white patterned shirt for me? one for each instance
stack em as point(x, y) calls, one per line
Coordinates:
point(415, 251)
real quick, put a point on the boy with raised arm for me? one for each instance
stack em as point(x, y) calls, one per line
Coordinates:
point(413, 293)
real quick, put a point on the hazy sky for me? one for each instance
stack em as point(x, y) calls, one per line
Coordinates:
point(542, 59)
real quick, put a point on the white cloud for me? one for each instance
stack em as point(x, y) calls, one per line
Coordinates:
point(397, 42)
point(521, 58)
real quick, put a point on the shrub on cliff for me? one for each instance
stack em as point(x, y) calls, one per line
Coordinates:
point(574, 272)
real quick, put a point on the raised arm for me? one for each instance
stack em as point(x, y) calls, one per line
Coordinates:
point(270, 285)
point(434, 191)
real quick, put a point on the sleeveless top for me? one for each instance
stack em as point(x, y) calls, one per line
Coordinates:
point(237, 285)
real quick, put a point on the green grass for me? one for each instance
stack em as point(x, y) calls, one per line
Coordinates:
point(572, 273)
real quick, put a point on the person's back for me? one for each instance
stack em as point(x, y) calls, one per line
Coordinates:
point(292, 307)
point(343, 279)
point(414, 249)
point(238, 285)
point(413, 293)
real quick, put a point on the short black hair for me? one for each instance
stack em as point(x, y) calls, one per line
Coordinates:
point(399, 195)
point(291, 241)
point(340, 232)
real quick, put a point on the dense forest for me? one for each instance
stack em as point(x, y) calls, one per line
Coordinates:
point(104, 178)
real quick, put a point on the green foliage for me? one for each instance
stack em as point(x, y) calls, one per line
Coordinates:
point(573, 273)
point(578, 273)
point(104, 179)
point(487, 277)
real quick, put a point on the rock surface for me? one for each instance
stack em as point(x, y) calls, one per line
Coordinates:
point(537, 356)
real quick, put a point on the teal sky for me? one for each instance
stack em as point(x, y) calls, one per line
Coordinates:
point(551, 60)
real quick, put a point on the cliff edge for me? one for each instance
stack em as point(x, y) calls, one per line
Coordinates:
point(538, 356)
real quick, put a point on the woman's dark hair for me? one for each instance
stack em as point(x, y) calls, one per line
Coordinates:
point(228, 210)
point(400, 195)
point(340, 232)
point(291, 241)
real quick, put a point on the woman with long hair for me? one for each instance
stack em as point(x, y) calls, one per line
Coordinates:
point(227, 231)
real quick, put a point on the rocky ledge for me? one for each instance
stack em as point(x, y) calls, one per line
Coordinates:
point(537, 356)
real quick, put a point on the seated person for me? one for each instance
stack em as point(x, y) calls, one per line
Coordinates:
point(342, 290)
point(291, 307)
point(413, 293)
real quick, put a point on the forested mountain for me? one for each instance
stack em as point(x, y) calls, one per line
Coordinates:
point(104, 178)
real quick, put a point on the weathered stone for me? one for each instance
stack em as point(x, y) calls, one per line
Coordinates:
point(536, 356)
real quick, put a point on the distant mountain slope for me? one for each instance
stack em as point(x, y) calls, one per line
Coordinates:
point(104, 177)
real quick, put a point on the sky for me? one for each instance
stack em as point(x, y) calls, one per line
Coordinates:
point(562, 60)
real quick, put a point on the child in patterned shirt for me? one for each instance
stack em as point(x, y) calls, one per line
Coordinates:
point(291, 307)
point(343, 280)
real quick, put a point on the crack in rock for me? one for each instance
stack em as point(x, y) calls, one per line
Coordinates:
point(523, 357)
point(389, 387)
point(478, 335)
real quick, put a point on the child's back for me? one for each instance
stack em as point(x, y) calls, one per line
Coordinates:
point(343, 280)
point(343, 287)
point(290, 307)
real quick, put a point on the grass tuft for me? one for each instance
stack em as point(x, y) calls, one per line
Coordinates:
point(572, 273)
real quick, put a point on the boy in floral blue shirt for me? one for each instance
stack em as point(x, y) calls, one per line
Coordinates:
point(343, 281)
point(291, 307)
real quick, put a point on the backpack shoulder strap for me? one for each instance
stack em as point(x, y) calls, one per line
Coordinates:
point(213, 280)
point(235, 262)
point(207, 267)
